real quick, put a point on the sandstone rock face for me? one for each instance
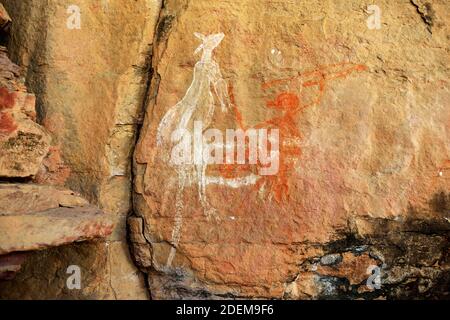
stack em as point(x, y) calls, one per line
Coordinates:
point(89, 79)
point(363, 175)
point(23, 143)
point(36, 217)
point(10, 264)
point(342, 193)
point(21, 199)
point(33, 217)
point(51, 228)
point(49, 280)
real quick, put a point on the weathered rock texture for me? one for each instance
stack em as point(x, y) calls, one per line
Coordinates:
point(364, 171)
point(90, 85)
point(10, 265)
point(51, 228)
point(34, 217)
point(364, 125)
point(39, 279)
point(21, 199)
point(23, 143)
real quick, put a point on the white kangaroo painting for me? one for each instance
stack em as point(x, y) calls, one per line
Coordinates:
point(198, 104)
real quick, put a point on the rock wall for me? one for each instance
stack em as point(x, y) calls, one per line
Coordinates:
point(363, 173)
point(352, 179)
point(90, 85)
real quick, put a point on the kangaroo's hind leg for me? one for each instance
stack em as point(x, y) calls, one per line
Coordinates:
point(179, 206)
point(209, 211)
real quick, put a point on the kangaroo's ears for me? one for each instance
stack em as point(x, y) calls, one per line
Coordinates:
point(200, 36)
point(219, 36)
point(216, 39)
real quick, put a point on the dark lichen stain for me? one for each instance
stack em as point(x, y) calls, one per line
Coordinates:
point(426, 13)
point(27, 141)
point(441, 202)
point(17, 166)
point(430, 14)
point(164, 26)
point(348, 243)
point(419, 242)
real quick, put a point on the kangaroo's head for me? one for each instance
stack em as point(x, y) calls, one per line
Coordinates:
point(209, 42)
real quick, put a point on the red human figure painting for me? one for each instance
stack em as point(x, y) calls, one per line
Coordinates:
point(290, 101)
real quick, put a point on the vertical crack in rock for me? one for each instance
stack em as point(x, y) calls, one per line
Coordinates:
point(167, 19)
point(426, 13)
point(108, 252)
point(162, 25)
point(95, 129)
point(146, 73)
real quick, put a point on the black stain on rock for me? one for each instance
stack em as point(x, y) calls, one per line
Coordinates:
point(441, 202)
point(426, 13)
point(412, 254)
point(164, 25)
